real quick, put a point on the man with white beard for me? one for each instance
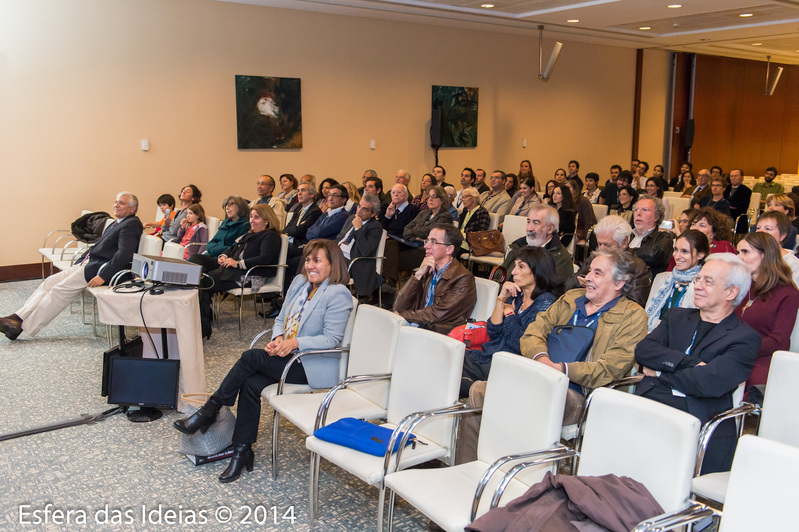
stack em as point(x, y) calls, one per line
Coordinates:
point(542, 231)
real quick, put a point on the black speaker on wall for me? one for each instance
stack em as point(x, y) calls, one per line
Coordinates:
point(688, 139)
point(435, 126)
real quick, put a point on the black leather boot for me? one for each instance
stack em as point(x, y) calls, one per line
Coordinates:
point(200, 420)
point(242, 457)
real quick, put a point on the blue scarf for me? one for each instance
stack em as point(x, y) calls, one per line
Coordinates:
point(665, 291)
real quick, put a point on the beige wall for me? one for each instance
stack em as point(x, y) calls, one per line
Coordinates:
point(83, 81)
point(655, 96)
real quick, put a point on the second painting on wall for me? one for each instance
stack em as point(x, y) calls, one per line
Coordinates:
point(268, 113)
point(458, 115)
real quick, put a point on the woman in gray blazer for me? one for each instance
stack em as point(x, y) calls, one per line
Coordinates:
point(314, 316)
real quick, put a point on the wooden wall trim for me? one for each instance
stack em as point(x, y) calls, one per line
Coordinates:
point(639, 82)
point(22, 272)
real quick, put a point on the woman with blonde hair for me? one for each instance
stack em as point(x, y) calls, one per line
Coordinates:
point(784, 204)
point(772, 302)
point(355, 198)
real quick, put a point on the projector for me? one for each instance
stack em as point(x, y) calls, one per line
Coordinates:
point(166, 270)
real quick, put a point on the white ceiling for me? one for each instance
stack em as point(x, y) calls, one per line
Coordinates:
point(703, 26)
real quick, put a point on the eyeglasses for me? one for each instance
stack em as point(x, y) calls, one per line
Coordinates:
point(434, 242)
point(432, 197)
point(335, 196)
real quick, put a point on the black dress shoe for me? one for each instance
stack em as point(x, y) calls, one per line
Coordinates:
point(200, 420)
point(11, 327)
point(242, 457)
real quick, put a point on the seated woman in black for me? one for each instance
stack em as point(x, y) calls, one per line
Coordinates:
point(533, 289)
point(563, 201)
point(259, 247)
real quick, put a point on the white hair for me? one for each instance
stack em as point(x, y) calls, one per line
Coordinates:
point(738, 275)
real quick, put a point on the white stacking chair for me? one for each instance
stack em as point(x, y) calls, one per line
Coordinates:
point(600, 211)
point(628, 435)
point(494, 220)
point(671, 194)
point(272, 285)
point(424, 385)
point(761, 494)
point(795, 335)
point(522, 412)
point(513, 228)
point(487, 292)
point(679, 205)
point(777, 421)
point(150, 245)
point(173, 250)
point(669, 206)
point(213, 224)
point(368, 353)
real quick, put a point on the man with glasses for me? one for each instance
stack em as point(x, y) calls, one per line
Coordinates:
point(266, 185)
point(305, 213)
point(441, 294)
point(702, 187)
point(696, 358)
point(330, 223)
point(399, 212)
point(716, 199)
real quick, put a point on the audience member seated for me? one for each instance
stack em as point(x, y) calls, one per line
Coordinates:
point(677, 181)
point(562, 201)
point(288, 189)
point(613, 233)
point(676, 288)
point(450, 190)
point(550, 186)
point(542, 231)
point(768, 186)
point(496, 200)
point(683, 222)
point(468, 177)
point(526, 198)
point(399, 212)
point(772, 302)
point(654, 187)
point(784, 204)
point(701, 189)
point(314, 316)
point(526, 172)
point(112, 253)
point(610, 194)
point(618, 325)
point(777, 225)
point(652, 245)
point(533, 289)
point(716, 199)
point(511, 185)
point(330, 223)
point(259, 247)
point(366, 175)
point(166, 204)
point(696, 358)
point(738, 194)
point(360, 237)
point(586, 218)
point(686, 183)
point(717, 228)
point(480, 181)
point(441, 294)
point(473, 217)
point(265, 188)
point(624, 208)
point(304, 214)
point(354, 197)
point(324, 190)
point(439, 174)
point(189, 195)
point(235, 224)
point(193, 233)
point(420, 201)
point(592, 190)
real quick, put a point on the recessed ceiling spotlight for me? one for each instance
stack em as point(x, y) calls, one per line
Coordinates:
point(572, 20)
point(487, 6)
point(645, 28)
point(757, 44)
point(744, 15)
point(675, 6)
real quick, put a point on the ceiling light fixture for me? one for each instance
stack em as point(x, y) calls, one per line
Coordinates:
point(645, 28)
point(744, 15)
point(675, 6)
point(487, 6)
point(572, 20)
point(757, 44)
point(771, 87)
point(544, 74)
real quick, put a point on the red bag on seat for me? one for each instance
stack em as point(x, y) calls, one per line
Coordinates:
point(474, 334)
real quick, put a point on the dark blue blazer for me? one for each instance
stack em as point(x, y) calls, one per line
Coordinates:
point(729, 351)
point(114, 250)
point(327, 226)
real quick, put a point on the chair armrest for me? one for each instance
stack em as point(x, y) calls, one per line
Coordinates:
point(626, 381)
point(321, 414)
point(710, 427)
point(693, 513)
point(44, 244)
point(356, 259)
point(249, 271)
point(554, 454)
point(258, 337)
point(301, 354)
point(77, 254)
point(118, 275)
point(411, 421)
point(502, 271)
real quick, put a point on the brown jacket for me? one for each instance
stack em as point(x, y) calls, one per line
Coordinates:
point(453, 301)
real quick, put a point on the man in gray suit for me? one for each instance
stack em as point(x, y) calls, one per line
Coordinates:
point(360, 237)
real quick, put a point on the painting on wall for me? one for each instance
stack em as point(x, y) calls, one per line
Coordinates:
point(458, 115)
point(268, 113)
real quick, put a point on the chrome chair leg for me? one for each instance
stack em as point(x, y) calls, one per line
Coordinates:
point(275, 433)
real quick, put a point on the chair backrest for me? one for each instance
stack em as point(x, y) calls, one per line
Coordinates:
point(522, 411)
point(679, 205)
point(795, 334)
point(346, 340)
point(778, 420)
point(284, 250)
point(487, 292)
point(150, 245)
point(173, 250)
point(650, 442)
point(373, 348)
point(669, 206)
point(426, 375)
point(762, 490)
point(213, 224)
point(289, 216)
point(381, 251)
point(513, 228)
point(493, 222)
point(671, 194)
point(600, 211)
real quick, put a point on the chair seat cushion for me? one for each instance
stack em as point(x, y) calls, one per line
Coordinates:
point(367, 467)
point(288, 389)
point(712, 486)
point(301, 409)
point(445, 495)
